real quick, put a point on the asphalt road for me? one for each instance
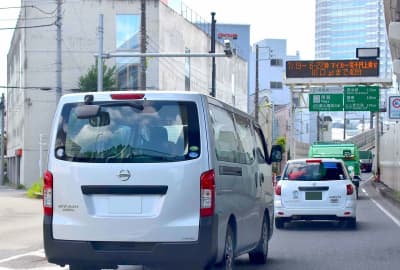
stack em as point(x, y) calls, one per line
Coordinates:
point(302, 245)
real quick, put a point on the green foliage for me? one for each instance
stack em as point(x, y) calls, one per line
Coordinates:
point(88, 82)
point(36, 190)
point(282, 142)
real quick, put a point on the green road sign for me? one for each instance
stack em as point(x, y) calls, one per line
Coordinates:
point(325, 102)
point(361, 98)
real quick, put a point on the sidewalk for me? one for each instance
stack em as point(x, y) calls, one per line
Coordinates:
point(388, 193)
point(11, 191)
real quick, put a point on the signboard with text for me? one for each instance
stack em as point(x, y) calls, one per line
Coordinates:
point(332, 68)
point(325, 102)
point(361, 98)
point(394, 107)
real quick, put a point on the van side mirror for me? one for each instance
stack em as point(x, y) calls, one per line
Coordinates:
point(276, 153)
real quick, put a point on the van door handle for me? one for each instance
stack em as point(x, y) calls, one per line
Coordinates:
point(256, 179)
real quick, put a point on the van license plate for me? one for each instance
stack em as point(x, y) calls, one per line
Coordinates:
point(313, 196)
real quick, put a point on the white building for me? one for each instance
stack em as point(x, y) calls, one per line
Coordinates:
point(32, 65)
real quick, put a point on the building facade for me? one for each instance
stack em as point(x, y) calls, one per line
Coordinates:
point(342, 26)
point(31, 97)
point(272, 57)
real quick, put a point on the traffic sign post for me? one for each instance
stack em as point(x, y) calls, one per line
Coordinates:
point(394, 107)
point(361, 98)
point(325, 102)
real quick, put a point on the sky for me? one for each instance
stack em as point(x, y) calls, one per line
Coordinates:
point(292, 20)
point(7, 20)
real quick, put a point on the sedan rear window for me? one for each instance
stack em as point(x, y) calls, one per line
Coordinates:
point(129, 132)
point(314, 171)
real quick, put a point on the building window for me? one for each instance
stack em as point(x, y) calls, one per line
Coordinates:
point(276, 85)
point(277, 62)
point(128, 38)
point(128, 73)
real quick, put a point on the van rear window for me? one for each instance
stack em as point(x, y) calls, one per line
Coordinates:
point(129, 132)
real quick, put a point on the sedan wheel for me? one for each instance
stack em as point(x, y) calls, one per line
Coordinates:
point(279, 223)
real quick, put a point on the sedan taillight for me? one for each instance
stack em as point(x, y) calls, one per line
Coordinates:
point(350, 189)
point(278, 190)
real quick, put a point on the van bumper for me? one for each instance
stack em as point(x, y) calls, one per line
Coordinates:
point(190, 255)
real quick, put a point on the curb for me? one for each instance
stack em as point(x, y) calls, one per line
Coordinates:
point(387, 192)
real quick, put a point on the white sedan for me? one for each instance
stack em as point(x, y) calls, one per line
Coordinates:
point(315, 189)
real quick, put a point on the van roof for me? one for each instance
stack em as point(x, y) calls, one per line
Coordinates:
point(105, 95)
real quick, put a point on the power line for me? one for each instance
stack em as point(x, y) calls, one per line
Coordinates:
point(43, 88)
point(29, 19)
point(30, 6)
point(27, 27)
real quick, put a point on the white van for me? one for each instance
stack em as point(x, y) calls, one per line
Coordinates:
point(156, 178)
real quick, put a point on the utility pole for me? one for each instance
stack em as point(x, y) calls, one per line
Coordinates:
point(213, 75)
point(41, 144)
point(344, 126)
point(2, 107)
point(143, 34)
point(318, 127)
point(59, 56)
point(257, 88)
point(100, 56)
point(377, 146)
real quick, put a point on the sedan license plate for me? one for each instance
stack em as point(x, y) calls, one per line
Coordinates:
point(313, 196)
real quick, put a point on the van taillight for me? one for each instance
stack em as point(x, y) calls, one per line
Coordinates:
point(349, 189)
point(278, 190)
point(127, 96)
point(207, 193)
point(48, 193)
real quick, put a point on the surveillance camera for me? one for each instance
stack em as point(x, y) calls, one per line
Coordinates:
point(227, 47)
point(227, 44)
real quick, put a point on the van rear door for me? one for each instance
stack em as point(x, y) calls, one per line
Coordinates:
point(130, 173)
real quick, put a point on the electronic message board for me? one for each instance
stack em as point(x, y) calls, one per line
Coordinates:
point(332, 68)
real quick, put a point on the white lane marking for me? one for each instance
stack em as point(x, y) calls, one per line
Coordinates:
point(366, 193)
point(395, 220)
point(39, 253)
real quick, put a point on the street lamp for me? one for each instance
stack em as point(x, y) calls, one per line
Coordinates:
point(256, 98)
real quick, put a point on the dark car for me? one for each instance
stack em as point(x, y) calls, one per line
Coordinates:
point(366, 158)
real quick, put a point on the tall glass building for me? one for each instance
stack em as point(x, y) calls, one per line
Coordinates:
point(344, 25)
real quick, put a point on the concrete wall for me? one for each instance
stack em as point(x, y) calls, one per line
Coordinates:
point(390, 157)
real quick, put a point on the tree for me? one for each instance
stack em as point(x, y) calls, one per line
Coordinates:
point(88, 82)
